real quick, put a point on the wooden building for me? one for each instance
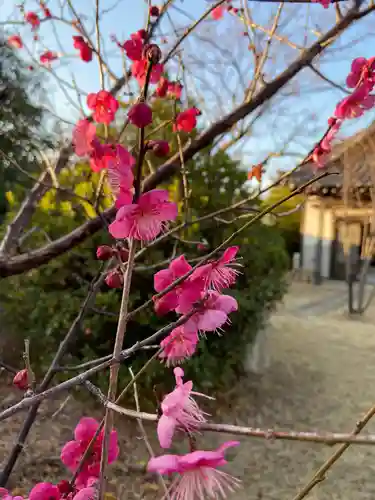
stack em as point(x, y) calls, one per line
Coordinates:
point(337, 223)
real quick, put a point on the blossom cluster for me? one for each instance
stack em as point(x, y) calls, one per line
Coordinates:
point(85, 485)
point(362, 79)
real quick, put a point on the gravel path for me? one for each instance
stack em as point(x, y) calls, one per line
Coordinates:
point(322, 377)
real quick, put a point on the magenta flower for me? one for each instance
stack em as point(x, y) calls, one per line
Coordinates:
point(180, 411)
point(45, 491)
point(47, 57)
point(120, 175)
point(134, 47)
point(158, 147)
point(186, 121)
point(217, 274)
point(144, 220)
point(5, 495)
point(198, 476)
point(180, 344)
point(89, 493)
point(83, 135)
point(139, 71)
point(99, 155)
point(72, 452)
point(356, 104)
point(103, 105)
point(361, 71)
point(214, 313)
point(182, 295)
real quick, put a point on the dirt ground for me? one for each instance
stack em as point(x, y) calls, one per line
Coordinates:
point(321, 377)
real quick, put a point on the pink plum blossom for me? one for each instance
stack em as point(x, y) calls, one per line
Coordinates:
point(180, 411)
point(145, 219)
point(120, 175)
point(184, 294)
point(218, 274)
point(83, 135)
point(214, 312)
point(139, 71)
point(198, 476)
point(5, 495)
point(322, 150)
point(180, 344)
point(89, 493)
point(133, 48)
point(73, 451)
point(356, 104)
point(103, 105)
point(45, 491)
point(362, 71)
point(99, 155)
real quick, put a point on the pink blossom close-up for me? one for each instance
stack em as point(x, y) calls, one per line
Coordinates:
point(140, 115)
point(145, 219)
point(89, 493)
point(174, 90)
point(362, 71)
point(120, 175)
point(139, 71)
point(21, 379)
point(356, 104)
point(179, 345)
point(103, 105)
point(85, 51)
point(99, 155)
point(133, 48)
point(5, 495)
point(158, 147)
point(182, 295)
point(180, 411)
point(198, 476)
point(32, 19)
point(47, 57)
point(162, 88)
point(186, 121)
point(214, 312)
point(218, 274)
point(15, 41)
point(83, 135)
point(73, 451)
point(45, 491)
point(217, 12)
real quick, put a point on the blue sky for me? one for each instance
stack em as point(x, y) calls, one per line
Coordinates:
point(300, 111)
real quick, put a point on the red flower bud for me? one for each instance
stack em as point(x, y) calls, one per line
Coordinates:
point(140, 115)
point(114, 279)
point(154, 11)
point(159, 148)
point(21, 380)
point(104, 252)
point(64, 487)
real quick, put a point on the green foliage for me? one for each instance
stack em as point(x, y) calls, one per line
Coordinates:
point(289, 225)
point(20, 120)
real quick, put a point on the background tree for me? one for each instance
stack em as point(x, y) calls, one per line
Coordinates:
point(20, 122)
